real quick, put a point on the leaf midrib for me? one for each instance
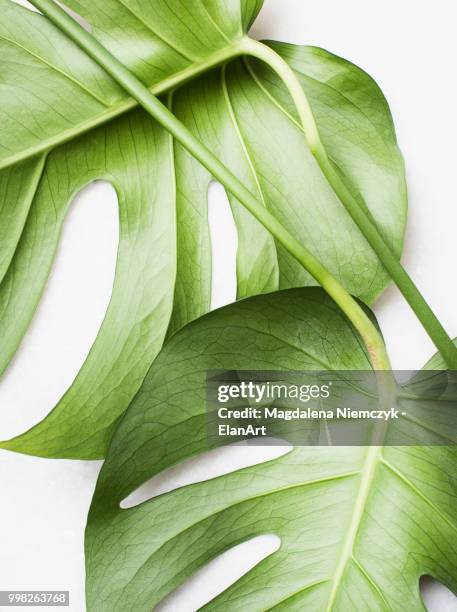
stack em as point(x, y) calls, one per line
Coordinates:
point(372, 461)
point(127, 104)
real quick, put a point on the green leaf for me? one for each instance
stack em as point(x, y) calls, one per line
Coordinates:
point(437, 361)
point(65, 123)
point(358, 526)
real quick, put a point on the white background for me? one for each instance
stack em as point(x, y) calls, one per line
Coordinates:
point(410, 47)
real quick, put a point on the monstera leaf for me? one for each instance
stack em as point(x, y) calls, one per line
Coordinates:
point(65, 123)
point(358, 526)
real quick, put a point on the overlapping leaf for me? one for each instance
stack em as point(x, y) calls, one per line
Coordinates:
point(65, 123)
point(358, 526)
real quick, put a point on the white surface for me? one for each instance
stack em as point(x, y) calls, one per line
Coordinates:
point(410, 48)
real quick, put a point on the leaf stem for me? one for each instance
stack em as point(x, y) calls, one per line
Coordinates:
point(352, 309)
point(363, 220)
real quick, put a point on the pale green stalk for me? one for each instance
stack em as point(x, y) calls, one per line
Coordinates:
point(363, 220)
